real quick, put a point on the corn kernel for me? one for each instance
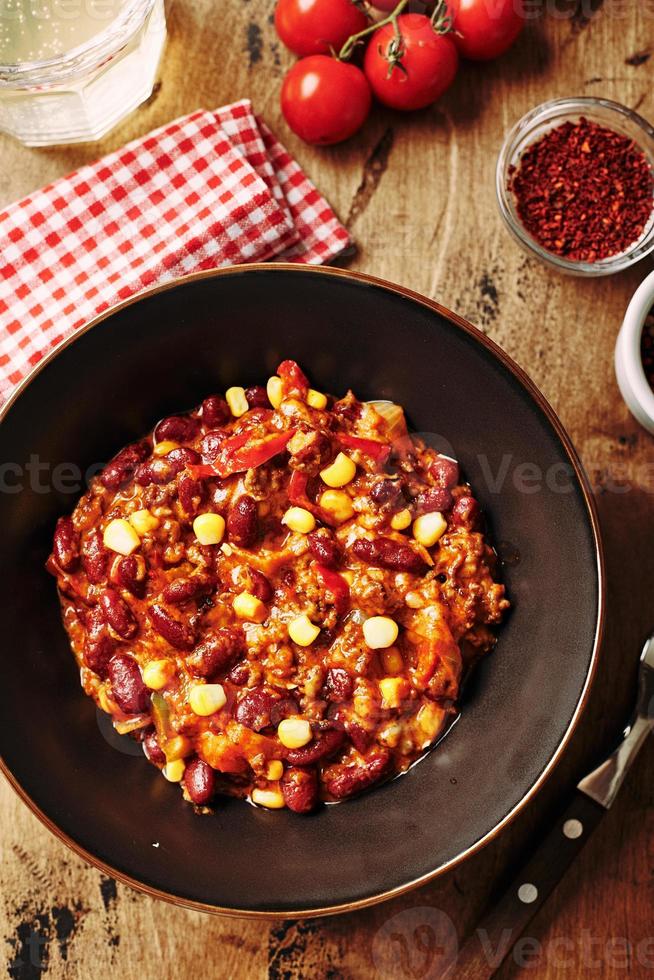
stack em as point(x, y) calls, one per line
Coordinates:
point(206, 699)
point(340, 472)
point(164, 447)
point(429, 528)
point(174, 771)
point(338, 504)
point(209, 528)
point(238, 403)
point(392, 690)
point(316, 399)
point(293, 733)
point(401, 520)
point(298, 519)
point(270, 798)
point(119, 536)
point(380, 632)
point(143, 521)
point(302, 631)
point(177, 747)
point(348, 575)
point(392, 660)
point(247, 606)
point(157, 673)
point(274, 390)
point(275, 770)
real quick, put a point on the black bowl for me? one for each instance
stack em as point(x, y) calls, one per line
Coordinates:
point(164, 352)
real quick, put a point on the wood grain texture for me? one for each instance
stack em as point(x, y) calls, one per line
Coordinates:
point(418, 193)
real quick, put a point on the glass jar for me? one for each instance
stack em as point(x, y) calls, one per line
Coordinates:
point(80, 94)
point(531, 128)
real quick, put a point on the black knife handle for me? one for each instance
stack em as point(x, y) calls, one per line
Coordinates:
point(496, 934)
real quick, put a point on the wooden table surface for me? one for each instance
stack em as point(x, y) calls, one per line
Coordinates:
point(418, 195)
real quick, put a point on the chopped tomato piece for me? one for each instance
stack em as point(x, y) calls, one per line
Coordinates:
point(294, 380)
point(235, 456)
point(379, 451)
point(337, 586)
point(297, 494)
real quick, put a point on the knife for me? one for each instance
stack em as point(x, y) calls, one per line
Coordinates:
point(499, 930)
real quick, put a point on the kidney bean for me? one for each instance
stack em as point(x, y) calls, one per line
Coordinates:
point(178, 428)
point(324, 548)
point(127, 687)
point(98, 652)
point(99, 645)
point(300, 789)
point(122, 466)
point(360, 738)
point(444, 472)
point(178, 634)
point(254, 708)
point(218, 651)
point(325, 745)
point(129, 572)
point(284, 708)
point(66, 544)
point(466, 513)
point(215, 412)
point(348, 780)
point(243, 522)
point(157, 471)
point(200, 781)
point(259, 585)
point(386, 492)
point(388, 553)
point(153, 751)
point(211, 444)
point(94, 556)
point(118, 614)
point(182, 457)
point(239, 674)
point(257, 397)
point(183, 589)
point(338, 684)
point(190, 494)
point(436, 498)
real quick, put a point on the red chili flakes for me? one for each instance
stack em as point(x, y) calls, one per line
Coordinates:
point(647, 349)
point(583, 191)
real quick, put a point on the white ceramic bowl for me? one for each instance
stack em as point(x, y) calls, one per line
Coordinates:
point(628, 362)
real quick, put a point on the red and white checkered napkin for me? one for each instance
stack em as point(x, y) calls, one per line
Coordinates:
point(211, 189)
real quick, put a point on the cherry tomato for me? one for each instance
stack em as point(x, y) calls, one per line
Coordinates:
point(317, 26)
point(325, 100)
point(388, 5)
point(412, 71)
point(485, 30)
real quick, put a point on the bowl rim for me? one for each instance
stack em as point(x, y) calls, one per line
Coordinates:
point(521, 376)
point(632, 381)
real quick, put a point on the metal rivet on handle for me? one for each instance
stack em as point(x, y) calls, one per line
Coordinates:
point(527, 893)
point(573, 829)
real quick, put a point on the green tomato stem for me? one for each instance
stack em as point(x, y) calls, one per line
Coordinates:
point(354, 39)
